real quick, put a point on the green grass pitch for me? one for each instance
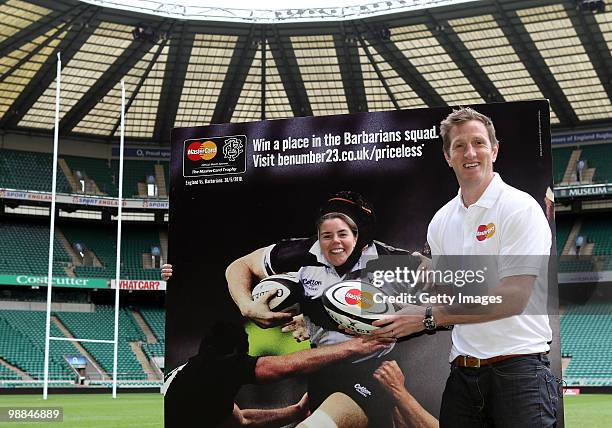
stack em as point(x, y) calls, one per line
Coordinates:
point(94, 410)
point(146, 410)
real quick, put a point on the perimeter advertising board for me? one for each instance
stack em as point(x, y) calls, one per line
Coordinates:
point(236, 188)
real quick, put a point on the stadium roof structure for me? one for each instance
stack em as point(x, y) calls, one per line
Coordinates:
point(186, 72)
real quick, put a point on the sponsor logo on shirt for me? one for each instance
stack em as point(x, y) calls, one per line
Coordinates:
point(312, 284)
point(483, 232)
point(362, 390)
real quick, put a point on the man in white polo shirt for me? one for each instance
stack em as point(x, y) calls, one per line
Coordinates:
point(500, 373)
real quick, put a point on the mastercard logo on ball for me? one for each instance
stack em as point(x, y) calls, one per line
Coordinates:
point(355, 305)
point(202, 150)
point(356, 297)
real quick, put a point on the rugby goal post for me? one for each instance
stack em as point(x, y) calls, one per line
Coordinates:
point(48, 337)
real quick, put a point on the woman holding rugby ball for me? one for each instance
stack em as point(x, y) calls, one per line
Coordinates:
point(345, 394)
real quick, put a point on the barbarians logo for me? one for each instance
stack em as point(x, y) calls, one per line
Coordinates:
point(232, 149)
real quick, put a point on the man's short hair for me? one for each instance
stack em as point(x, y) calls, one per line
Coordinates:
point(457, 117)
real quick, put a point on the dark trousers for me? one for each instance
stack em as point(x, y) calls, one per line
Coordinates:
point(518, 392)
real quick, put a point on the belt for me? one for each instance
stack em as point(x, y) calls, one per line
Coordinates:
point(467, 361)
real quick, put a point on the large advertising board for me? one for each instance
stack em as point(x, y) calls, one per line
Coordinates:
point(237, 188)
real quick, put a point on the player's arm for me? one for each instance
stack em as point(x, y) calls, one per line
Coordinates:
point(412, 414)
point(240, 275)
point(273, 368)
point(268, 418)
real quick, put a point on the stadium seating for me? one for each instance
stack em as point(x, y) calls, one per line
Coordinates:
point(29, 171)
point(105, 174)
point(8, 374)
point(23, 344)
point(134, 172)
point(561, 157)
point(24, 249)
point(154, 349)
point(599, 231)
point(599, 156)
point(563, 227)
point(156, 320)
point(586, 333)
point(96, 169)
point(572, 264)
point(99, 325)
point(102, 241)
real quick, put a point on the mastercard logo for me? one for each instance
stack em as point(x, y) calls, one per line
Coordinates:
point(202, 150)
point(483, 232)
point(361, 299)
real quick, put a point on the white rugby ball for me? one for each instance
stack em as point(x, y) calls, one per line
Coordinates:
point(353, 305)
point(289, 292)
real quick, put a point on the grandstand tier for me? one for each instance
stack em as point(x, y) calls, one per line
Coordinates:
point(598, 156)
point(99, 325)
point(29, 171)
point(586, 332)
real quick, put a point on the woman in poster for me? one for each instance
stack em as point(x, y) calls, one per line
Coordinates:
point(346, 393)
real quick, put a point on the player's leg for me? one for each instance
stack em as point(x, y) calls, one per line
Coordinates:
point(337, 411)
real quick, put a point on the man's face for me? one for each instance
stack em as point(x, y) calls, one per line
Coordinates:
point(471, 155)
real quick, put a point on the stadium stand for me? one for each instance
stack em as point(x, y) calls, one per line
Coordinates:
point(134, 172)
point(104, 174)
point(561, 157)
point(96, 170)
point(29, 171)
point(102, 242)
point(563, 227)
point(23, 344)
point(599, 231)
point(24, 247)
point(156, 320)
point(99, 325)
point(599, 156)
point(587, 339)
point(8, 374)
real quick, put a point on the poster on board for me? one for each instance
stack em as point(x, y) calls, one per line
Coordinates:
point(242, 187)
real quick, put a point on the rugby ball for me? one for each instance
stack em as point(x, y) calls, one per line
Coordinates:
point(355, 305)
point(289, 292)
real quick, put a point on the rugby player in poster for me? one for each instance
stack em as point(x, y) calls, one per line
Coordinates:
point(344, 394)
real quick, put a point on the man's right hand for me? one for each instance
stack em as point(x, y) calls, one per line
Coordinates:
point(166, 271)
point(259, 312)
